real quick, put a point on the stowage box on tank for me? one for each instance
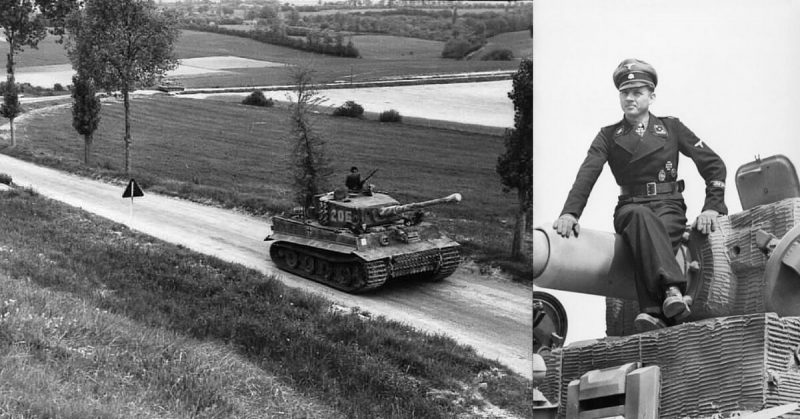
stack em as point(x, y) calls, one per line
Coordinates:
point(356, 241)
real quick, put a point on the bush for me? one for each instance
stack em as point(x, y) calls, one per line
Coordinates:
point(350, 109)
point(257, 98)
point(390, 116)
point(4, 178)
point(58, 87)
point(458, 48)
point(498, 55)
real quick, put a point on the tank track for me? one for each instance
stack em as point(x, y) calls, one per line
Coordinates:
point(344, 272)
point(352, 274)
point(448, 261)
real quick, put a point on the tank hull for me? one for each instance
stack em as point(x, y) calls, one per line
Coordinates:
point(357, 263)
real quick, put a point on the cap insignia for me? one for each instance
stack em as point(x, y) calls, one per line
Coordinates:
point(631, 76)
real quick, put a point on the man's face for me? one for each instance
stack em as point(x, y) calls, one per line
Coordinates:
point(636, 101)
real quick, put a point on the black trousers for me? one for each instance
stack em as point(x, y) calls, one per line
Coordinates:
point(653, 232)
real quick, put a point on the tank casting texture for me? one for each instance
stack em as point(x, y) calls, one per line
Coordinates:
point(355, 242)
point(744, 332)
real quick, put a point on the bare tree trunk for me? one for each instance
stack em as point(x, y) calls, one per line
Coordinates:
point(126, 100)
point(13, 138)
point(87, 148)
point(519, 230)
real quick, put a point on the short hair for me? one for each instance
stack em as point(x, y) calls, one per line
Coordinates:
point(353, 169)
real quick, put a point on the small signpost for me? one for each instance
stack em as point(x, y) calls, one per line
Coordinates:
point(131, 191)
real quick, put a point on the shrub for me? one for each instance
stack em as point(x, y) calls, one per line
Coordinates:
point(458, 48)
point(4, 178)
point(58, 87)
point(498, 55)
point(350, 109)
point(390, 116)
point(257, 98)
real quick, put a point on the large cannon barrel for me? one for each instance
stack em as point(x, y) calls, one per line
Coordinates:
point(737, 269)
point(595, 263)
point(397, 209)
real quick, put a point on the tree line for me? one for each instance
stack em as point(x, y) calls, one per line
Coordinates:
point(321, 42)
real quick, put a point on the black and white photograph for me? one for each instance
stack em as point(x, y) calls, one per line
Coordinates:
point(266, 209)
point(665, 208)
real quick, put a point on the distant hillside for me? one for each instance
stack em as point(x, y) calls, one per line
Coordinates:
point(520, 43)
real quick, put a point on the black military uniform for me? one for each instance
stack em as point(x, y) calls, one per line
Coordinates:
point(650, 213)
point(353, 180)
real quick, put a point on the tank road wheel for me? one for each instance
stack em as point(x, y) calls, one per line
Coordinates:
point(342, 274)
point(307, 264)
point(290, 257)
point(324, 269)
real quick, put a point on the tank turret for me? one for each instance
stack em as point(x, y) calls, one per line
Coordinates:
point(355, 241)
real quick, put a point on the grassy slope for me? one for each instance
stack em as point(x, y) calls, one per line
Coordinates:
point(215, 149)
point(96, 320)
point(520, 43)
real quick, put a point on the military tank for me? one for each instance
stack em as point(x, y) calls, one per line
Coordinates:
point(356, 241)
point(738, 354)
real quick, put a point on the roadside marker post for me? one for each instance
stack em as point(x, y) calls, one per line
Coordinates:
point(131, 191)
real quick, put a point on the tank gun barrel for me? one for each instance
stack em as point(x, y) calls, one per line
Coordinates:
point(397, 209)
point(593, 263)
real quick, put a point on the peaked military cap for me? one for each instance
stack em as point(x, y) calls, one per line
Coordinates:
point(634, 73)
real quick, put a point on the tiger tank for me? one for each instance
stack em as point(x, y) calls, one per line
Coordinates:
point(356, 241)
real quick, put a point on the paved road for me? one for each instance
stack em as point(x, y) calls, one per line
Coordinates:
point(490, 314)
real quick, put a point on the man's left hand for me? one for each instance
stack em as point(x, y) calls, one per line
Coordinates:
point(706, 222)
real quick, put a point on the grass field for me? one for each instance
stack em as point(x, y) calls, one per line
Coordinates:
point(519, 43)
point(100, 321)
point(237, 155)
point(384, 56)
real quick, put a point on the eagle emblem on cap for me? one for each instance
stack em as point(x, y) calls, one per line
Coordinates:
point(629, 66)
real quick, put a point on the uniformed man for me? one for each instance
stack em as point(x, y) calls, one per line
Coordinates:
point(353, 180)
point(642, 151)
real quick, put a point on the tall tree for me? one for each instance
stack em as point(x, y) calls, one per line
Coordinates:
point(515, 165)
point(85, 112)
point(22, 26)
point(24, 23)
point(310, 166)
point(132, 46)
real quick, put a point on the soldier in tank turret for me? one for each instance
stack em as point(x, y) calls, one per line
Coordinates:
point(353, 180)
point(642, 151)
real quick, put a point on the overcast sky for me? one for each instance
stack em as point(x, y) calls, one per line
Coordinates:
point(727, 68)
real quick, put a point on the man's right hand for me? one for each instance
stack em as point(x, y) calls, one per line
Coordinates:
point(566, 225)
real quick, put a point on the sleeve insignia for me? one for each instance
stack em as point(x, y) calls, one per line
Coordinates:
point(717, 184)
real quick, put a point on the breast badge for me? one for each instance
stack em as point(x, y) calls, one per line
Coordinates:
point(661, 175)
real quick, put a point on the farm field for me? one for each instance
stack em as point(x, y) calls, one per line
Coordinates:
point(383, 56)
point(237, 155)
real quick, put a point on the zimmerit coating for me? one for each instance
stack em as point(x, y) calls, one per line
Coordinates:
point(722, 365)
